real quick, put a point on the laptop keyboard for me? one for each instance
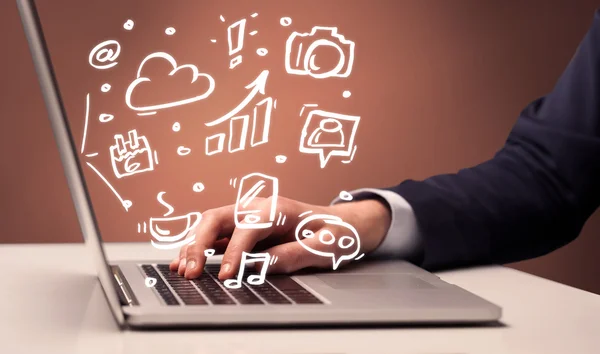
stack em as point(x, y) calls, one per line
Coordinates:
point(208, 289)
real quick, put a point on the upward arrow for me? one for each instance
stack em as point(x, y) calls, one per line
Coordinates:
point(257, 86)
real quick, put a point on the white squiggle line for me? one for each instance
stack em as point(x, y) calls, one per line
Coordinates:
point(92, 154)
point(359, 257)
point(166, 205)
point(87, 116)
point(305, 213)
point(146, 114)
point(108, 184)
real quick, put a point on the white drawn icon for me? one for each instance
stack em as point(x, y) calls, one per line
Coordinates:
point(105, 117)
point(280, 158)
point(300, 53)
point(105, 87)
point(235, 40)
point(285, 21)
point(170, 231)
point(209, 252)
point(132, 155)
point(183, 151)
point(329, 134)
point(198, 187)
point(348, 242)
point(170, 31)
point(346, 94)
point(128, 25)
point(125, 203)
point(104, 55)
point(150, 282)
point(249, 189)
point(346, 196)
point(254, 279)
point(151, 109)
point(239, 121)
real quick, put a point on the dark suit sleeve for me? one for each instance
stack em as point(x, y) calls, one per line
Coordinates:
point(535, 194)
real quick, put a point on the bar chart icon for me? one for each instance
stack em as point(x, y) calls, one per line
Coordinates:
point(250, 129)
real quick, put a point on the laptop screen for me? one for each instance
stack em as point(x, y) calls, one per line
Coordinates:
point(179, 107)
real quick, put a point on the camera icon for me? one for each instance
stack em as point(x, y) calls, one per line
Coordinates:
point(301, 50)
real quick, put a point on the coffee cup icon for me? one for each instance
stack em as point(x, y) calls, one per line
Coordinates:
point(174, 228)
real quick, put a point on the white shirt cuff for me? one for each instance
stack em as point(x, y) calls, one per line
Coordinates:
point(402, 238)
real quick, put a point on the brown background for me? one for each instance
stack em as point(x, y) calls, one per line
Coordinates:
point(438, 85)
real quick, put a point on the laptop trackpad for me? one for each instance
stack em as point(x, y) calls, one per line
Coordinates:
point(374, 281)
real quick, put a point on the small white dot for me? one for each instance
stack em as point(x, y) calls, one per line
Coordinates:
point(182, 151)
point(345, 196)
point(198, 187)
point(285, 21)
point(105, 88)
point(280, 158)
point(213, 40)
point(346, 94)
point(170, 31)
point(128, 25)
point(209, 252)
point(262, 51)
point(176, 126)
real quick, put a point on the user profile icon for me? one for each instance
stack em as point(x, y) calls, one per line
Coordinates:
point(329, 134)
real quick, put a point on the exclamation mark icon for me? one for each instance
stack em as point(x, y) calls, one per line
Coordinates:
point(235, 39)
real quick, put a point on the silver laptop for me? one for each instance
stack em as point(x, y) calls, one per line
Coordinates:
point(376, 292)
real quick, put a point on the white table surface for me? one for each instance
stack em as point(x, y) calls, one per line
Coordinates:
point(51, 302)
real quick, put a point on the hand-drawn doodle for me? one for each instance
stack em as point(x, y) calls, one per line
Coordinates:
point(128, 25)
point(328, 134)
point(262, 51)
point(131, 156)
point(280, 158)
point(105, 88)
point(170, 31)
point(150, 282)
point(344, 195)
point(105, 117)
point(85, 124)
point(249, 189)
point(235, 40)
point(163, 229)
point(198, 187)
point(285, 21)
point(209, 252)
point(346, 94)
point(254, 279)
point(239, 122)
point(176, 127)
point(104, 55)
point(151, 109)
point(294, 53)
point(349, 242)
point(125, 203)
point(182, 151)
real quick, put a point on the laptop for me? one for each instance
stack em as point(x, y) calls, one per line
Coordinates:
point(363, 293)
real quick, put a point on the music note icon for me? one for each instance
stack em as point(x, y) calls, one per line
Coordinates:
point(254, 279)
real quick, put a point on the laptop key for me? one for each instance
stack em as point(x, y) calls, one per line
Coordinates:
point(212, 290)
point(161, 288)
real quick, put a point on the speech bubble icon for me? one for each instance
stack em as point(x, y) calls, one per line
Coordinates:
point(347, 240)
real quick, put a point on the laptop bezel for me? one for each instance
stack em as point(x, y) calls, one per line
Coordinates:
point(68, 152)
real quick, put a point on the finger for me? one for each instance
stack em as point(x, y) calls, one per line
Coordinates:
point(214, 223)
point(291, 256)
point(243, 239)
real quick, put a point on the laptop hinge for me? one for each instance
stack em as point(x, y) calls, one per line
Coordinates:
point(124, 291)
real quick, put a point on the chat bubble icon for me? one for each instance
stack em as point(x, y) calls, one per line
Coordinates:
point(329, 134)
point(347, 242)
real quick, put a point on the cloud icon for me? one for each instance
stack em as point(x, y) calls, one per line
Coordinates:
point(151, 109)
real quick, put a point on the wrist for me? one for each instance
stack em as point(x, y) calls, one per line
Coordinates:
point(371, 218)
